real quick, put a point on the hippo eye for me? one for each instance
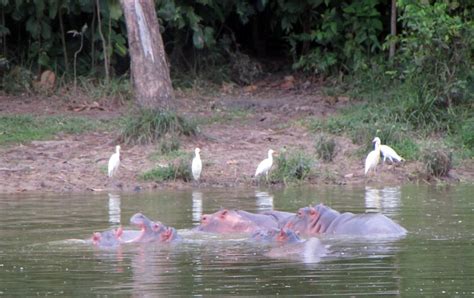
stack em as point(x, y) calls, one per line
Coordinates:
point(300, 214)
point(204, 217)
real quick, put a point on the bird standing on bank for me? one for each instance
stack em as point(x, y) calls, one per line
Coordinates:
point(373, 158)
point(390, 154)
point(196, 166)
point(265, 165)
point(114, 162)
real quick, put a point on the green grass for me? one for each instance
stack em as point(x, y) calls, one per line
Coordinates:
point(292, 166)
point(362, 122)
point(179, 169)
point(405, 114)
point(26, 128)
point(148, 126)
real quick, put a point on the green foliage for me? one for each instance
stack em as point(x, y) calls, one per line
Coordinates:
point(147, 126)
point(437, 160)
point(335, 34)
point(436, 51)
point(292, 167)
point(467, 133)
point(26, 128)
point(325, 147)
point(178, 170)
point(18, 80)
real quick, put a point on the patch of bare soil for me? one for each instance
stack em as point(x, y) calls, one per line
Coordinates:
point(230, 150)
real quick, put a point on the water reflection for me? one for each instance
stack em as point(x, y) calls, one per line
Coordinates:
point(433, 260)
point(264, 201)
point(114, 209)
point(197, 207)
point(384, 200)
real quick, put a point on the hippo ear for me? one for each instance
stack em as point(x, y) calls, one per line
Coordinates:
point(96, 237)
point(119, 232)
point(312, 211)
point(166, 234)
point(224, 213)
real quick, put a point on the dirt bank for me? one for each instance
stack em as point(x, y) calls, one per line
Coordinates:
point(231, 148)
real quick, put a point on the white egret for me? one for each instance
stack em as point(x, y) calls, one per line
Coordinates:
point(390, 154)
point(265, 165)
point(373, 158)
point(114, 162)
point(196, 166)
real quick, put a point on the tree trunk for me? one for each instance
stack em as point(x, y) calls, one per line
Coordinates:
point(63, 39)
point(393, 30)
point(149, 70)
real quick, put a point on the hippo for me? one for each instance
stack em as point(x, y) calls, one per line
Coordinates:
point(152, 231)
point(286, 244)
point(235, 221)
point(320, 219)
point(276, 236)
point(107, 239)
point(280, 216)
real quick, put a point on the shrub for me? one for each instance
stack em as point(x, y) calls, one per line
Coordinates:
point(325, 147)
point(148, 126)
point(292, 166)
point(437, 161)
point(177, 170)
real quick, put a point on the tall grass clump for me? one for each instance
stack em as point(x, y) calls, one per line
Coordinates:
point(292, 166)
point(148, 126)
point(118, 88)
point(437, 160)
point(325, 147)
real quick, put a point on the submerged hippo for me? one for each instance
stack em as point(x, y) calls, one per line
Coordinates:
point(276, 236)
point(107, 239)
point(286, 244)
point(320, 219)
point(235, 221)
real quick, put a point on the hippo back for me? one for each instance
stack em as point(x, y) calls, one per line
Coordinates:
point(369, 224)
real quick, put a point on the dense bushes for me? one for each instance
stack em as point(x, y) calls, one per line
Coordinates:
point(321, 36)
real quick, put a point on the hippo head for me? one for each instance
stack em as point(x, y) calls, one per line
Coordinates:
point(277, 236)
point(168, 235)
point(224, 221)
point(150, 230)
point(107, 239)
point(311, 220)
point(303, 220)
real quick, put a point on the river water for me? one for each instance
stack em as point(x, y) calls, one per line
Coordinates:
point(39, 256)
